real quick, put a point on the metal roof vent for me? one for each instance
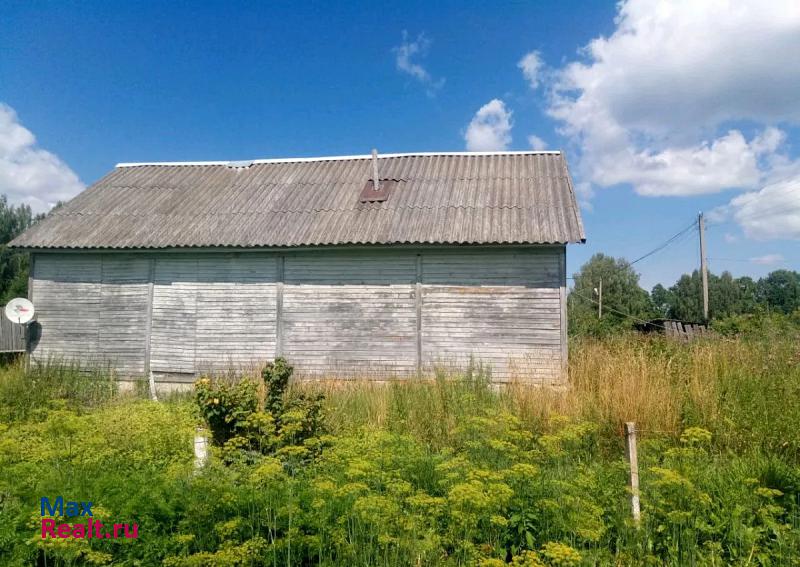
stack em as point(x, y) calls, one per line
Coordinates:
point(376, 190)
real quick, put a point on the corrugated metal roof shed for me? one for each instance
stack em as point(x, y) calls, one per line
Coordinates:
point(458, 198)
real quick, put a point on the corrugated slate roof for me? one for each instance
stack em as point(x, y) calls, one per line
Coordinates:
point(458, 198)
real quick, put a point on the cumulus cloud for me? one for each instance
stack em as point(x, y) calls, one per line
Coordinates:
point(405, 54)
point(729, 161)
point(28, 174)
point(536, 143)
point(767, 259)
point(770, 213)
point(490, 128)
point(531, 65)
point(662, 103)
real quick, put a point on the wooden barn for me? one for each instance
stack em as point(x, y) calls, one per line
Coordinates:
point(170, 270)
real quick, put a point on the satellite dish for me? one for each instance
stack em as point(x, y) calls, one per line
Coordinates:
point(19, 310)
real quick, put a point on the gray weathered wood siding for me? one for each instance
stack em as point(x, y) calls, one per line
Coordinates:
point(379, 312)
point(350, 314)
point(122, 317)
point(502, 309)
point(212, 312)
point(66, 291)
point(92, 307)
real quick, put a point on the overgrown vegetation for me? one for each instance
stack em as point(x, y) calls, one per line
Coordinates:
point(437, 473)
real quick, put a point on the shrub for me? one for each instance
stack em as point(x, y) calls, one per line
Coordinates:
point(226, 405)
point(243, 426)
point(276, 378)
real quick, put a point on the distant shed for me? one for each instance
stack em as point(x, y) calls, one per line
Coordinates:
point(177, 269)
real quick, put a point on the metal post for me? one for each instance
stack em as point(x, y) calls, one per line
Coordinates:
point(701, 225)
point(376, 180)
point(630, 451)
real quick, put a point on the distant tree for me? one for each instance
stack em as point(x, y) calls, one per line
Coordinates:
point(14, 265)
point(748, 296)
point(724, 295)
point(728, 296)
point(662, 300)
point(686, 297)
point(622, 296)
point(780, 290)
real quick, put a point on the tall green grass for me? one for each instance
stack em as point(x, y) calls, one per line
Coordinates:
point(30, 390)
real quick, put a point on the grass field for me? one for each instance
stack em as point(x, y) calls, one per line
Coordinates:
point(437, 473)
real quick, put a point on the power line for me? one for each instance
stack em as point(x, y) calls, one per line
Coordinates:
point(669, 241)
point(637, 319)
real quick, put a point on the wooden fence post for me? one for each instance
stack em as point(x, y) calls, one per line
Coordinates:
point(630, 450)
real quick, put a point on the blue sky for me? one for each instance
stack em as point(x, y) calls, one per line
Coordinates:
point(655, 122)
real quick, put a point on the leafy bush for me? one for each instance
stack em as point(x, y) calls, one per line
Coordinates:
point(244, 427)
point(226, 405)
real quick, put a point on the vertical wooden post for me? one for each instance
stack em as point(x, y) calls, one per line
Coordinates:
point(630, 451)
point(701, 225)
point(279, 306)
point(149, 328)
point(418, 307)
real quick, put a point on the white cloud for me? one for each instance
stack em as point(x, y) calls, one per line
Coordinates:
point(730, 238)
point(532, 65)
point(767, 259)
point(770, 213)
point(29, 174)
point(404, 55)
point(729, 161)
point(537, 143)
point(490, 128)
point(663, 102)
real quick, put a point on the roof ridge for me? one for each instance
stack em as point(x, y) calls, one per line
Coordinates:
point(248, 163)
point(370, 205)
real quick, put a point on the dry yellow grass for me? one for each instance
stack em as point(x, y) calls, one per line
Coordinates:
point(659, 384)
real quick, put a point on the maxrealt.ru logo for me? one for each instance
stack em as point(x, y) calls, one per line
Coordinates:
point(88, 530)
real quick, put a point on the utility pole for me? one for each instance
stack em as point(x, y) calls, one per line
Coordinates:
point(701, 225)
point(600, 300)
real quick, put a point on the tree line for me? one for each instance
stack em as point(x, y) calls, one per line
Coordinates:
point(14, 265)
point(625, 301)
